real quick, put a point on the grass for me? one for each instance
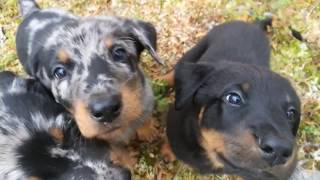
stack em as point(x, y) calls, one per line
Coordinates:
point(180, 24)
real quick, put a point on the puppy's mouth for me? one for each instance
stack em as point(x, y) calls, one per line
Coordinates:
point(109, 127)
point(249, 173)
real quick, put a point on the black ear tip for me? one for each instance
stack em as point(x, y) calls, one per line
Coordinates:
point(155, 56)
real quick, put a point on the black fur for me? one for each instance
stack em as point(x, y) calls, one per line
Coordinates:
point(233, 58)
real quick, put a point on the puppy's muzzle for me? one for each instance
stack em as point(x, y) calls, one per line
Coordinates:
point(105, 109)
point(275, 150)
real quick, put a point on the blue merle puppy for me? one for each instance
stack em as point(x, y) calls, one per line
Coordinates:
point(39, 140)
point(90, 64)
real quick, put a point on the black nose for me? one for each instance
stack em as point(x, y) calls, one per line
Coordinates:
point(275, 150)
point(105, 109)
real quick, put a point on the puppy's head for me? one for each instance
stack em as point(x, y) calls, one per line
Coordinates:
point(91, 67)
point(248, 117)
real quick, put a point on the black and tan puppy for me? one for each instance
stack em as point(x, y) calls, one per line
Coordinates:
point(232, 114)
point(90, 64)
point(40, 141)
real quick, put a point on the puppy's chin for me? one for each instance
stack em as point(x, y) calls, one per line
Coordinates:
point(239, 155)
point(124, 127)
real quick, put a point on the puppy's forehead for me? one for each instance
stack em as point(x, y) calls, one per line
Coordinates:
point(253, 79)
point(82, 42)
point(272, 87)
point(89, 34)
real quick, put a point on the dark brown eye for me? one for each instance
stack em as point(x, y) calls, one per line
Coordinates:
point(291, 113)
point(119, 54)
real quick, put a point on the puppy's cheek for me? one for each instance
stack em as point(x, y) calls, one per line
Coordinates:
point(213, 143)
point(242, 150)
point(239, 149)
point(128, 120)
point(59, 90)
point(88, 127)
point(55, 91)
point(63, 89)
point(132, 105)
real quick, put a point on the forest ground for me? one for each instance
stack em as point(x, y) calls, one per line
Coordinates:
point(180, 24)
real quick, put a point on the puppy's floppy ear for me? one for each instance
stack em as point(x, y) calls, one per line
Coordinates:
point(36, 86)
point(146, 35)
point(188, 78)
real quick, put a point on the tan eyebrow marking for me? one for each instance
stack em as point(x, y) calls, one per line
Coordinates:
point(63, 56)
point(108, 42)
point(245, 87)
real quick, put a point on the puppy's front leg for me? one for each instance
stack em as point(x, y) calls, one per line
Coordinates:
point(166, 151)
point(149, 131)
point(123, 156)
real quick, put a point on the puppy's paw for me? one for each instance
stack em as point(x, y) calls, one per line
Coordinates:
point(124, 156)
point(149, 131)
point(166, 152)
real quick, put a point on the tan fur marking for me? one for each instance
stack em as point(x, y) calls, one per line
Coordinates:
point(148, 131)
point(166, 151)
point(63, 56)
point(121, 130)
point(247, 138)
point(88, 127)
point(131, 111)
point(57, 134)
point(168, 78)
point(213, 143)
point(245, 87)
point(108, 42)
point(242, 148)
point(123, 156)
